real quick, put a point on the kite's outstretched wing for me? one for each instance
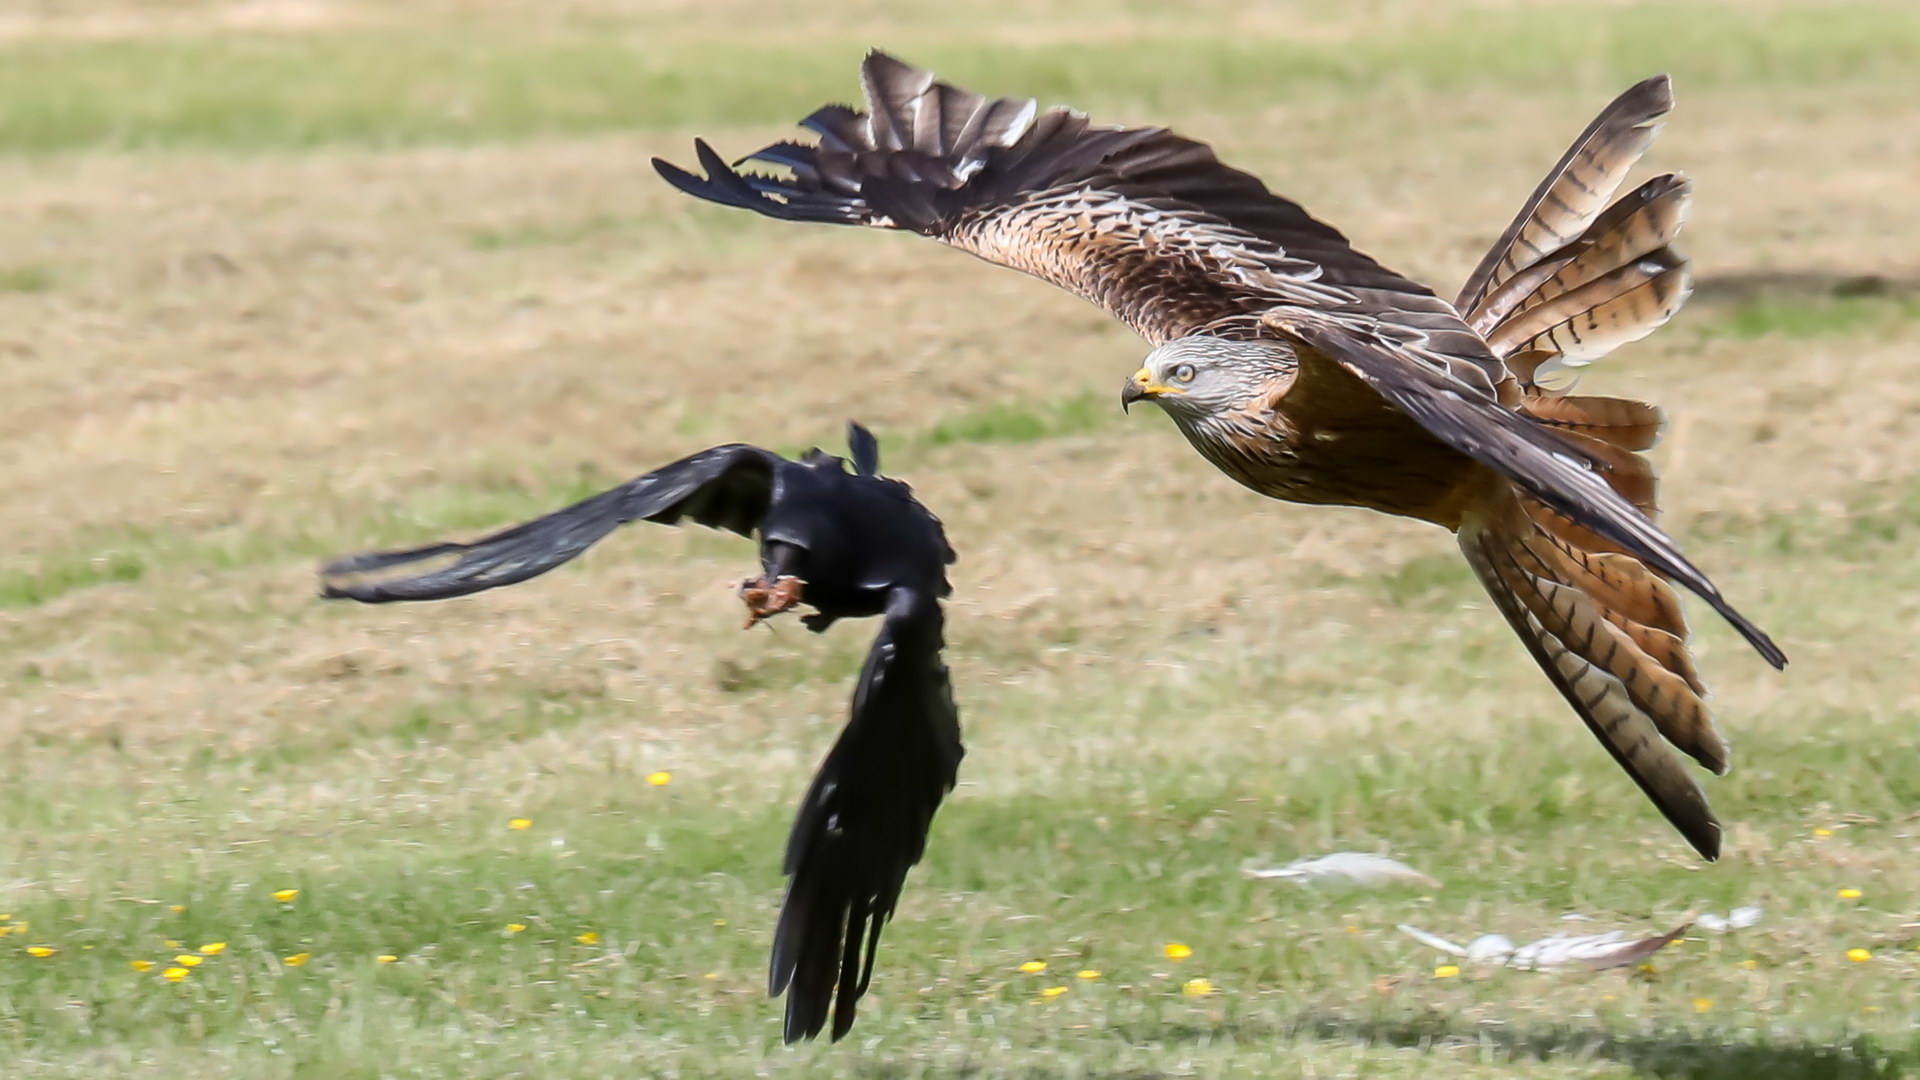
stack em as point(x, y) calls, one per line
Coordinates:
point(1147, 224)
point(1337, 358)
point(1603, 627)
point(727, 487)
point(864, 821)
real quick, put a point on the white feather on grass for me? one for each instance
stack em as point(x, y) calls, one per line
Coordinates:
point(1738, 919)
point(1610, 949)
point(1349, 868)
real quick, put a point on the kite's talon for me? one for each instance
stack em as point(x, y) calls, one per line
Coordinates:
point(766, 599)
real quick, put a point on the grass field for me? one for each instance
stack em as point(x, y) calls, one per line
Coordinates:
point(281, 280)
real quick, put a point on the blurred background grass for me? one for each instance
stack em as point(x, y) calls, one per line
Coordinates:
point(284, 279)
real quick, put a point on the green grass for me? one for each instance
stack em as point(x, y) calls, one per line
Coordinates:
point(1148, 709)
point(1829, 317)
point(25, 279)
point(457, 83)
point(1019, 423)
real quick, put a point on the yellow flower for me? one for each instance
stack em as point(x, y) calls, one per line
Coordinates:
point(1749, 964)
point(1859, 956)
point(214, 948)
point(719, 922)
point(588, 938)
point(1052, 992)
point(1823, 833)
point(1848, 894)
point(711, 975)
point(41, 951)
point(1196, 988)
point(21, 927)
point(1701, 1005)
point(176, 908)
point(1176, 951)
point(1089, 974)
point(660, 779)
point(520, 823)
point(172, 944)
point(1446, 971)
point(140, 965)
point(187, 959)
point(6, 916)
point(297, 959)
point(385, 958)
point(5, 930)
point(1034, 967)
point(515, 927)
point(174, 974)
point(1609, 998)
point(1646, 969)
point(286, 896)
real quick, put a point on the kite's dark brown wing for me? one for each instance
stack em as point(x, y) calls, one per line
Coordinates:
point(727, 487)
point(864, 820)
point(1337, 358)
point(1147, 224)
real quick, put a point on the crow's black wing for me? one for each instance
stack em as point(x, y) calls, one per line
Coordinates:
point(865, 818)
point(727, 487)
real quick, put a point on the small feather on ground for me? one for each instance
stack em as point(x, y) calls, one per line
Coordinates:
point(1348, 868)
point(1597, 951)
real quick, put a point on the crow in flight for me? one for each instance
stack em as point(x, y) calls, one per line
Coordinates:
point(849, 545)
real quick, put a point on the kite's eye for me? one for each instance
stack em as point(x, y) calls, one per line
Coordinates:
point(1183, 373)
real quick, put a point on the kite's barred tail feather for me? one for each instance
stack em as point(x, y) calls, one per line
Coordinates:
point(1611, 637)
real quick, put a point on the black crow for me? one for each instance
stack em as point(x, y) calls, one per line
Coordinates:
point(847, 544)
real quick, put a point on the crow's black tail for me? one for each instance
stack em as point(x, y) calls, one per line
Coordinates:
point(864, 821)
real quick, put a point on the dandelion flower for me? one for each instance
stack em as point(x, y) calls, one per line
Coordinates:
point(1702, 1004)
point(1749, 964)
point(711, 975)
point(297, 959)
point(1823, 833)
point(187, 959)
point(1033, 967)
point(6, 916)
point(1446, 971)
point(286, 896)
point(1859, 956)
point(172, 944)
point(214, 948)
point(176, 908)
point(140, 965)
point(660, 779)
point(1848, 894)
point(515, 927)
point(1052, 992)
point(386, 958)
point(719, 922)
point(520, 823)
point(588, 938)
point(1196, 988)
point(1088, 974)
point(41, 951)
point(1176, 951)
point(5, 930)
point(21, 927)
point(174, 974)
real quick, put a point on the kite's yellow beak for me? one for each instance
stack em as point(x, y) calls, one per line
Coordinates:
point(1141, 385)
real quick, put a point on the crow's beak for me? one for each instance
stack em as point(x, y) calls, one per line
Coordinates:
point(1140, 385)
